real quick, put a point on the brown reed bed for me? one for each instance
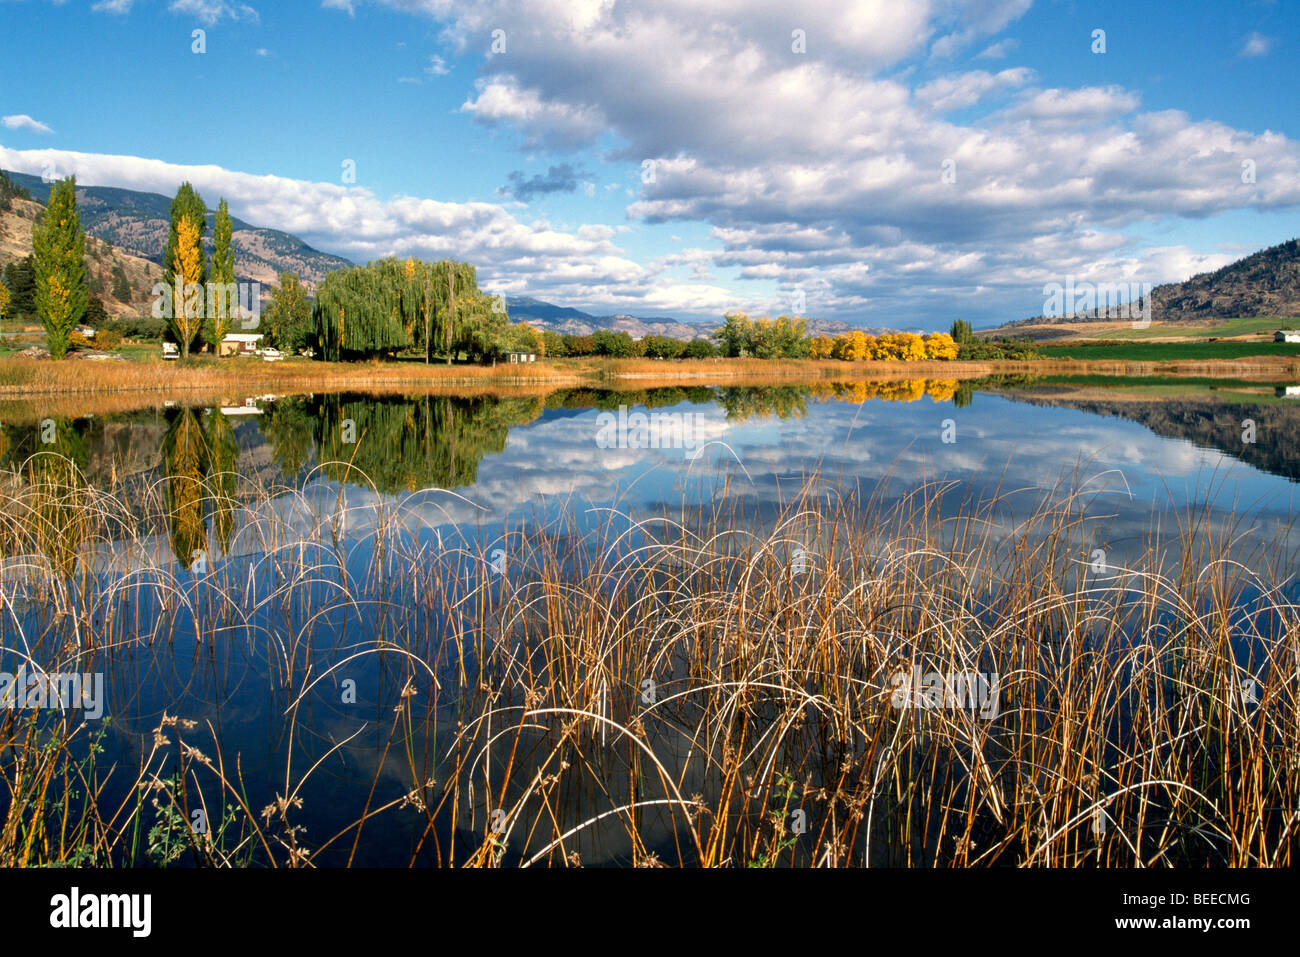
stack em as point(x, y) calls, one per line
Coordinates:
point(205, 379)
point(707, 687)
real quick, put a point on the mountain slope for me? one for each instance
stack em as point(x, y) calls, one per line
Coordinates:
point(104, 262)
point(1266, 283)
point(136, 222)
point(1263, 284)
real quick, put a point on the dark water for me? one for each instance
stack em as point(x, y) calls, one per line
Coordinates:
point(223, 606)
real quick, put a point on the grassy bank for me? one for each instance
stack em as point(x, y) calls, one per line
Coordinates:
point(203, 379)
point(1171, 351)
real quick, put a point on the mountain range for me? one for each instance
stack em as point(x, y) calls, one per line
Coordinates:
point(136, 223)
point(569, 321)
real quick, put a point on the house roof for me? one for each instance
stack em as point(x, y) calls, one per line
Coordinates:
point(242, 337)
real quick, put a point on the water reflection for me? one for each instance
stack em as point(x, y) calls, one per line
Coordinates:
point(400, 652)
point(210, 460)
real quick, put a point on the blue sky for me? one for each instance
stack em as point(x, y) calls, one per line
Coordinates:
point(781, 176)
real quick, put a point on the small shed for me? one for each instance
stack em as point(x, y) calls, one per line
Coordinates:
point(1287, 335)
point(521, 356)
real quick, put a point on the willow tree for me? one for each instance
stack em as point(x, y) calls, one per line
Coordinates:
point(483, 330)
point(59, 251)
point(392, 305)
point(406, 444)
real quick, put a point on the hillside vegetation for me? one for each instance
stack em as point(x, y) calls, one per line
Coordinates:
point(121, 281)
point(137, 223)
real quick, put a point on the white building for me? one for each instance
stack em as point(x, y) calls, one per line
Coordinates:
point(239, 344)
point(1287, 335)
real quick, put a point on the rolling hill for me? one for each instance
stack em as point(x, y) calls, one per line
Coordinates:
point(1263, 284)
point(574, 322)
point(105, 263)
point(136, 223)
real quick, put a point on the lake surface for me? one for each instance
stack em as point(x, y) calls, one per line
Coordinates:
point(228, 612)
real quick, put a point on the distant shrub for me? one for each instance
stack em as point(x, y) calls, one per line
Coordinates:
point(699, 349)
point(998, 349)
point(107, 339)
point(145, 328)
point(579, 345)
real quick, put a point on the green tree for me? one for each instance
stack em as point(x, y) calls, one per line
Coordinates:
point(699, 349)
point(20, 277)
point(483, 332)
point(59, 252)
point(735, 335)
point(95, 315)
point(663, 347)
point(616, 344)
point(779, 338)
point(391, 305)
point(221, 273)
point(554, 344)
point(121, 285)
point(961, 332)
point(579, 345)
point(288, 315)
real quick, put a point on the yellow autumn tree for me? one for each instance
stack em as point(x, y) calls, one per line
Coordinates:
point(851, 346)
point(941, 390)
point(913, 347)
point(187, 314)
point(904, 390)
point(820, 347)
point(940, 345)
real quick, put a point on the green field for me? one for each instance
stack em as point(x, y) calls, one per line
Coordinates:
point(1168, 351)
point(1266, 325)
point(1172, 386)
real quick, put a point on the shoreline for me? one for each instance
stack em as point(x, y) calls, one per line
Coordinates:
point(114, 386)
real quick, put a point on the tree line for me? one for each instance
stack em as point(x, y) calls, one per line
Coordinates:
point(51, 284)
point(389, 307)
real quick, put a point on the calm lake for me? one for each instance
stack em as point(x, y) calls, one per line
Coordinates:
point(307, 577)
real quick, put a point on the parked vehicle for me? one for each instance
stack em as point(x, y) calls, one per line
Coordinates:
point(170, 350)
point(272, 355)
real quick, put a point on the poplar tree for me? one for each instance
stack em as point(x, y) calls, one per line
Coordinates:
point(187, 309)
point(221, 272)
point(183, 261)
point(58, 251)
